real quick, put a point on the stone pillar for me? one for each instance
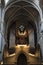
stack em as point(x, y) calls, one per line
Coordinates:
point(1, 30)
point(41, 6)
point(41, 39)
point(0, 25)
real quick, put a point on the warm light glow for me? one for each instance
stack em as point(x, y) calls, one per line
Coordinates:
point(29, 31)
point(21, 45)
point(1, 62)
point(41, 63)
point(11, 55)
point(22, 33)
point(31, 54)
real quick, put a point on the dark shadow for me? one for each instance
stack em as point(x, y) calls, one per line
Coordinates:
point(11, 50)
point(22, 60)
point(32, 50)
point(39, 49)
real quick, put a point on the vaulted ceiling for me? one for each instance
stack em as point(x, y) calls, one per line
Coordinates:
point(40, 2)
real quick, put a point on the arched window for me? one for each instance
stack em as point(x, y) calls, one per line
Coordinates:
point(22, 60)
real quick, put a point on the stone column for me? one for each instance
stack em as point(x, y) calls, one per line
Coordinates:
point(0, 25)
point(41, 39)
point(1, 30)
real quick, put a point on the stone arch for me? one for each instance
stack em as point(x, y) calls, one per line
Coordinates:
point(22, 52)
point(31, 3)
point(18, 15)
point(16, 2)
point(14, 19)
point(10, 5)
point(22, 59)
point(7, 19)
point(33, 25)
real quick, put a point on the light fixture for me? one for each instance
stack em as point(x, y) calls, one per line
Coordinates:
point(31, 54)
point(21, 45)
point(11, 55)
point(1, 62)
point(22, 33)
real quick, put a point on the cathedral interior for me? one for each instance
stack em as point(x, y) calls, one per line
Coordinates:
point(21, 32)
